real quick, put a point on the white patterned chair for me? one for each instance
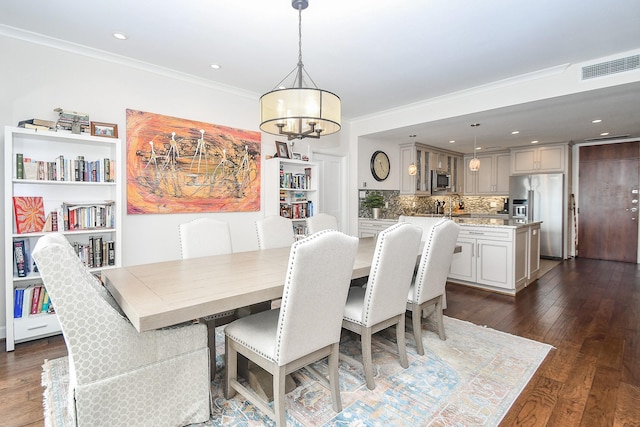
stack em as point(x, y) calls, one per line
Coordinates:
point(382, 302)
point(118, 376)
point(274, 231)
point(428, 287)
point(305, 329)
point(321, 221)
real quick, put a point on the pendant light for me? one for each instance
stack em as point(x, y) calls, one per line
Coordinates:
point(299, 112)
point(474, 164)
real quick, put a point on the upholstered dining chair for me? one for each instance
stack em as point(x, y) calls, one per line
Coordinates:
point(205, 237)
point(274, 231)
point(424, 222)
point(116, 374)
point(428, 286)
point(321, 221)
point(305, 329)
point(382, 302)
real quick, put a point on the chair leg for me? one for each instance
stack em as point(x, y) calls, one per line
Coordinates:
point(416, 321)
point(440, 319)
point(279, 380)
point(231, 363)
point(367, 358)
point(334, 377)
point(402, 345)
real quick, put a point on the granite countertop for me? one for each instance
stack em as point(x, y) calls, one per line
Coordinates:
point(495, 222)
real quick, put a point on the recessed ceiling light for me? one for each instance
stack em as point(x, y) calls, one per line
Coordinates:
point(535, 141)
point(604, 134)
point(412, 136)
point(120, 36)
point(596, 121)
point(452, 141)
point(515, 132)
point(478, 148)
point(215, 66)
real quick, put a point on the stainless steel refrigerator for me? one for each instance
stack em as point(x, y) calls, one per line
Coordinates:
point(540, 197)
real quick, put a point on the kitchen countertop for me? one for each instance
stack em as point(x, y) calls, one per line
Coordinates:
point(494, 222)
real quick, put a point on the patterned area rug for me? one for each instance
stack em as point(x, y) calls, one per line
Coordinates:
point(471, 379)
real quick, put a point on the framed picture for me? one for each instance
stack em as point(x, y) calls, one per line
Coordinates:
point(110, 130)
point(282, 148)
point(297, 156)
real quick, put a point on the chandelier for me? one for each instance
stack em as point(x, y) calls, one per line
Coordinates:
point(474, 164)
point(299, 111)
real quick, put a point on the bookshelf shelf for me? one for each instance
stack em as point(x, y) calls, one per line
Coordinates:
point(60, 154)
point(291, 190)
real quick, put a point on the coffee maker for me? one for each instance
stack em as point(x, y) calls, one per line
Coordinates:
point(505, 206)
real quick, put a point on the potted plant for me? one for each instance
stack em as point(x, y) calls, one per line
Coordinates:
point(375, 201)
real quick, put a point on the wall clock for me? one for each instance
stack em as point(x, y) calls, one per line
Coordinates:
point(380, 165)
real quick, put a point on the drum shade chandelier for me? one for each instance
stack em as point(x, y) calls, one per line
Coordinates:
point(474, 164)
point(299, 112)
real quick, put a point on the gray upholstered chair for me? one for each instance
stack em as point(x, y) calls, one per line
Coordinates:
point(116, 374)
point(305, 329)
point(205, 237)
point(321, 221)
point(274, 232)
point(382, 302)
point(428, 287)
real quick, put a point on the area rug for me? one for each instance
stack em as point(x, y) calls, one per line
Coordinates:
point(471, 379)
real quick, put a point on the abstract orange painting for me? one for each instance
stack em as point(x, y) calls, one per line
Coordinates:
point(29, 214)
point(177, 166)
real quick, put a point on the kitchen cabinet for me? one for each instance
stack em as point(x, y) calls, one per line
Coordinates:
point(426, 159)
point(417, 155)
point(494, 258)
point(491, 179)
point(545, 158)
point(534, 252)
point(371, 227)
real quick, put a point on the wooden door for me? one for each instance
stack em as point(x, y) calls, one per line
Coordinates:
point(607, 224)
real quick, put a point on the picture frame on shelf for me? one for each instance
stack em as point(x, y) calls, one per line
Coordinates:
point(282, 148)
point(108, 130)
point(296, 156)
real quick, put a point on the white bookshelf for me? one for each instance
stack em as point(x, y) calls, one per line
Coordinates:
point(47, 146)
point(300, 200)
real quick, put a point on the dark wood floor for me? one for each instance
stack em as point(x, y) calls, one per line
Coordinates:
point(589, 310)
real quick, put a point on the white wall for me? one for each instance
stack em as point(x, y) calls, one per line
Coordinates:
point(35, 79)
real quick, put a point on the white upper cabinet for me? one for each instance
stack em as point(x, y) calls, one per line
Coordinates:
point(546, 158)
point(491, 179)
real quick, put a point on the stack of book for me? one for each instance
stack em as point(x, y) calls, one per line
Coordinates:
point(38, 124)
point(68, 119)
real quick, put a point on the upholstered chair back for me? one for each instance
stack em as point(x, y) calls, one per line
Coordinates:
point(204, 237)
point(274, 232)
point(321, 221)
point(391, 272)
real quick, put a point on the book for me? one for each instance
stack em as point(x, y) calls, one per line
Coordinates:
point(35, 297)
point(29, 214)
point(18, 301)
point(30, 169)
point(19, 166)
point(20, 257)
point(26, 300)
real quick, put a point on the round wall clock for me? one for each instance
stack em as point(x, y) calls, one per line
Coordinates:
point(380, 165)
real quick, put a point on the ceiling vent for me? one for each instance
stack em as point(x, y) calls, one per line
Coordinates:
point(611, 67)
point(606, 138)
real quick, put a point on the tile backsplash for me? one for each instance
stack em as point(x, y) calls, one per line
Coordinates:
point(420, 205)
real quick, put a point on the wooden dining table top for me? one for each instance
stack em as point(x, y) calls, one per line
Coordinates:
point(167, 293)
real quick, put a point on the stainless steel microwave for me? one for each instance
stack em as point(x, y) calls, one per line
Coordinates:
point(440, 180)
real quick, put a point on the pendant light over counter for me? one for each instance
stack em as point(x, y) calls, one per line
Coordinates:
point(474, 164)
point(299, 111)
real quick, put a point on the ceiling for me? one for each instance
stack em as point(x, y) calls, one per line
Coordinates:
point(375, 54)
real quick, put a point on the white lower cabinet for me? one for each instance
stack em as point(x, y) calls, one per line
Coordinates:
point(371, 227)
point(494, 258)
